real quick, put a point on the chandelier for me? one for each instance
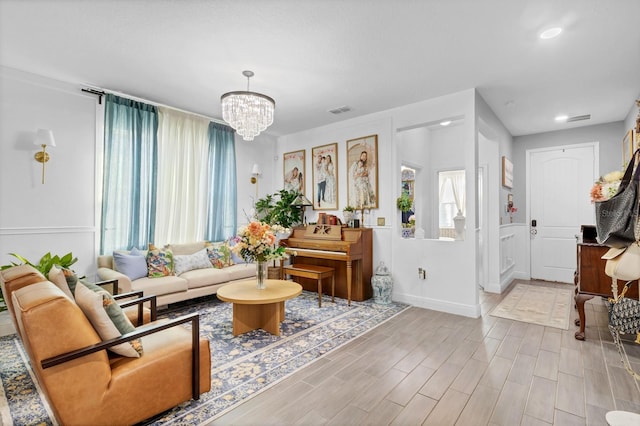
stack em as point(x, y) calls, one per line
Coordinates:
point(249, 113)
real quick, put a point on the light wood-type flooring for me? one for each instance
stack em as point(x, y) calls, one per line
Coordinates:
point(431, 368)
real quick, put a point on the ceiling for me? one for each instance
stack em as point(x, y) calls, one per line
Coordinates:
point(314, 56)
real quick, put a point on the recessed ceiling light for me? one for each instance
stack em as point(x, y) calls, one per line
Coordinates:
point(445, 123)
point(550, 33)
point(562, 117)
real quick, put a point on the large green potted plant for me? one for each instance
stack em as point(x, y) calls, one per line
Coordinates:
point(44, 265)
point(277, 209)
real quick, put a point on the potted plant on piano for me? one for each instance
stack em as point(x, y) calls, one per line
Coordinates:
point(277, 209)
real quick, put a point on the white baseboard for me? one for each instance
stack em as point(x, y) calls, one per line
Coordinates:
point(472, 311)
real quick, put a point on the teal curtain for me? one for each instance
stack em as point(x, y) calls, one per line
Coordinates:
point(129, 174)
point(222, 208)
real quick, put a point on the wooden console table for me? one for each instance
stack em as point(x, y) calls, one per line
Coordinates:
point(590, 280)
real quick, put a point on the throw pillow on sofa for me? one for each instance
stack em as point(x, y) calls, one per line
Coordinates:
point(219, 255)
point(189, 262)
point(107, 319)
point(235, 259)
point(133, 265)
point(159, 262)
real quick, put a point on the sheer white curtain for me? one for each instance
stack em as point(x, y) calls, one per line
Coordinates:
point(183, 188)
point(451, 194)
point(457, 181)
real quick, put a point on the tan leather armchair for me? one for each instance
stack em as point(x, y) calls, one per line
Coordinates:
point(84, 383)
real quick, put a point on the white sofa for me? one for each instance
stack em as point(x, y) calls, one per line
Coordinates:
point(175, 288)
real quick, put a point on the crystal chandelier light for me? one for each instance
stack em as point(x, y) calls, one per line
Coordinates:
point(249, 113)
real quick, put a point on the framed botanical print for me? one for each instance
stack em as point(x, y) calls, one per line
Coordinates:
point(325, 177)
point(362, 173)
point(294, 171)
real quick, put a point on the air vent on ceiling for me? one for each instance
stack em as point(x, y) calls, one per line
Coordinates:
point(579, 118)
point(340, 110)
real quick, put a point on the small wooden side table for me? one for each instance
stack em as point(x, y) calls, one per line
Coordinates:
point(254, 309)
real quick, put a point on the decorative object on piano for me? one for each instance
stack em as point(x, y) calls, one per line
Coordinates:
point(347, 213)
point(278, 209)
point(302, 203)
point(293, 164)
point(382, 285)
point(325, 177)
point(606, 186)
point(616, 217)
point(256, 242)
point(362, 175)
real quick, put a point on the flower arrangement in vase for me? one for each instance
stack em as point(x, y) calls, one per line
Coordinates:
point(257, 243)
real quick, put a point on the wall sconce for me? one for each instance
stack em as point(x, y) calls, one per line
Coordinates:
point(255, 171)
point(44, 138)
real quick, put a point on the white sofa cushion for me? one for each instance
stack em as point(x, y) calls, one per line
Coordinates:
point(160, 286)
point(243, 270)
point(206, 277)
point(187, 248)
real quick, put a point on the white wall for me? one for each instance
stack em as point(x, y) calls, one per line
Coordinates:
point(630, 121)
point(260, 151)
point(450, 284)
point(58, 216)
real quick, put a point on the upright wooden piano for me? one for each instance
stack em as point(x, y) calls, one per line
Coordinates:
point(589, 278)
point(347, 250)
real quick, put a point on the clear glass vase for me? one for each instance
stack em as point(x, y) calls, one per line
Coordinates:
point(261, 274)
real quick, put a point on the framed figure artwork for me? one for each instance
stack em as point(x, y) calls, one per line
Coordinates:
point(325, 177)
point(294, 171)
point(507, 173)
point(362, 173)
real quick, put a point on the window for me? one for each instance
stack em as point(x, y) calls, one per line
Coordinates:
point(451, 198)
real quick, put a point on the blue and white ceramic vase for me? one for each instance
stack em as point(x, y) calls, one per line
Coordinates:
point(382, 285)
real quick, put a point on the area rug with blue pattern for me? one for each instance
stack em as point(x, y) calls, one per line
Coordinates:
point(241, 366)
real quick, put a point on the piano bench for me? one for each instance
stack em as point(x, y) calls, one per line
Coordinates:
point(314, 272)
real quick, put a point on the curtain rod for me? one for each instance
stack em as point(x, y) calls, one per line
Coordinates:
point(100, 92)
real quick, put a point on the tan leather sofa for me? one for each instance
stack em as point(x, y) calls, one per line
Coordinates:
point(176, 288)
point(87, 385)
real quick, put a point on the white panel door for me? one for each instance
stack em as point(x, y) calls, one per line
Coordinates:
point(559, 203)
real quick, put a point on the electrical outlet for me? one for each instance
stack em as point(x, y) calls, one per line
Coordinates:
point(422, 273)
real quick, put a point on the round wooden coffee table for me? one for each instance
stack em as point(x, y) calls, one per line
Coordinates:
point(254, 309)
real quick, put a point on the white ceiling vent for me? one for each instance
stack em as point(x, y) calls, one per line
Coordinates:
point(340, 110)
point(579, 118)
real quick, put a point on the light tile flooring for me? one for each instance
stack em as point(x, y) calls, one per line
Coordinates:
point(430, 368)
